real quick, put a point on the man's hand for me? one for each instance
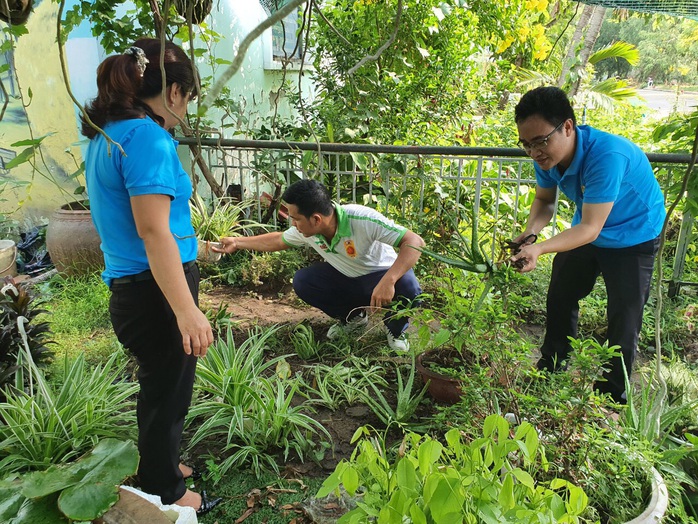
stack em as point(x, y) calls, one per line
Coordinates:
point(526, 258)
point(382, 294)
point(229, 245)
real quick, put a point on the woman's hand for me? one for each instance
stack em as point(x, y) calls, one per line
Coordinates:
point(197, 334)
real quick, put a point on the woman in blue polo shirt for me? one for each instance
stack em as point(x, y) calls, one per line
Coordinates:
point(140, 206)
point(615, 229)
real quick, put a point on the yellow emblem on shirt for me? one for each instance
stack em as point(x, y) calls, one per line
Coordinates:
point(349, 248)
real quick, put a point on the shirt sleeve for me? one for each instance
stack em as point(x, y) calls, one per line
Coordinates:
point(293, 237)
point(382, 229)
point(151, 165)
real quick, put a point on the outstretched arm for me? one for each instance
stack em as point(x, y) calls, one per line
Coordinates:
point(266, 242)
point(407, 257)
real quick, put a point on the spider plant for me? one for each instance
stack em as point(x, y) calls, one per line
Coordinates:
point(249, 406)
point(62, 420)
point(221, 219)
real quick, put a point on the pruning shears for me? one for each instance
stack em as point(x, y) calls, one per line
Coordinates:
point(516, 246)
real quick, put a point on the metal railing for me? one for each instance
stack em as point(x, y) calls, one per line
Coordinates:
point(406, 183)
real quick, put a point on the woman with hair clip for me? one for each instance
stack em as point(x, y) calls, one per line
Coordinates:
point(140, 206)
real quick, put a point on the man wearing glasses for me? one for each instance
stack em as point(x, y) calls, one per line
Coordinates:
point(615, 229)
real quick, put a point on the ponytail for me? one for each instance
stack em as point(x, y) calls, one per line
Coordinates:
point(124, 81)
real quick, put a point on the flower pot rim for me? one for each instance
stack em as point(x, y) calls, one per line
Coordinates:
point(433, 374)
point(76, 205)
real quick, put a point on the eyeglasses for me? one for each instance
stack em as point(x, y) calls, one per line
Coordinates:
point(540, 143)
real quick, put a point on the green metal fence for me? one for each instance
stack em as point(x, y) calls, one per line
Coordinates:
point(414, 185)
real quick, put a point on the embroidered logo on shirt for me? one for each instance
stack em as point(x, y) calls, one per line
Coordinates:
point(349, 248)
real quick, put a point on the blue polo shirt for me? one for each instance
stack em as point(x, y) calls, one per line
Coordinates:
point(151, 166)
point(610, 168)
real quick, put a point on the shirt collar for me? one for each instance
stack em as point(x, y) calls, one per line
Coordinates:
point(576, 164)
point(343, 227)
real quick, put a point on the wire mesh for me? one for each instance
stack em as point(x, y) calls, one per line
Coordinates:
point(685, 8)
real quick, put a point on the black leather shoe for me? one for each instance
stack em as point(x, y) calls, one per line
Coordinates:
point(195, 474)
point(207, 504)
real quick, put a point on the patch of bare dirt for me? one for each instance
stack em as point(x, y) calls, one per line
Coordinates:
point(249, 308)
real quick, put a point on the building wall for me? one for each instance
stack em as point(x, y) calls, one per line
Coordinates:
point(255, 95)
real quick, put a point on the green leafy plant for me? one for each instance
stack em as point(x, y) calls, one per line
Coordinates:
point(345, 382)
point(80, 491)
point(61, 420)
point(304, 343)
point(18, 322)
point(490, 479)
point(222, 219)
point(248, 404)
point(406, 403)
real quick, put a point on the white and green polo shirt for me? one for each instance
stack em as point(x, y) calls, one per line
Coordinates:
point(363, 242)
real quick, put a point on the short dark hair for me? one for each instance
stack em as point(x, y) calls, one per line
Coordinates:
point(310, 197)
point(550, 103)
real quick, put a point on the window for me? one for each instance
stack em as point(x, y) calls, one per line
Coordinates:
point(286, 44)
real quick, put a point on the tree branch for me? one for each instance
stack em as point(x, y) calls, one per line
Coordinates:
point(66, 81)
point(385, 46)
point(242, 51)
point(329, 24)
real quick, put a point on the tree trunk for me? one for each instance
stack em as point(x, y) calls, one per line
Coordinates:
point(592, 34)
point(570, 58)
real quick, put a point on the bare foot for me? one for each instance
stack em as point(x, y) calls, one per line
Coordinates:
point(191, 499)
point(186, 470)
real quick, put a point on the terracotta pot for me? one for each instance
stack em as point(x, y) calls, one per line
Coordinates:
point(441, 387)
point(72, 241)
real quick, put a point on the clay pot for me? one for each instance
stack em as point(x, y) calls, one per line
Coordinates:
point(72, 240)
point(200, 9)
point(441, 387)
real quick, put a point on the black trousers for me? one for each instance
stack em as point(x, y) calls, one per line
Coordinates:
point(146, 325)
point(338, 295)
point(627, 273)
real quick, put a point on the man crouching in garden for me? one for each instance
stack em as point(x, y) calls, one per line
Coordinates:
point(360, 267)
point(615, 229)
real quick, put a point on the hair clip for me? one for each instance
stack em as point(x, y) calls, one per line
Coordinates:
point(139, 55)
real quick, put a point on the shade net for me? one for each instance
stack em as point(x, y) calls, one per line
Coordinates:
point(686, 8)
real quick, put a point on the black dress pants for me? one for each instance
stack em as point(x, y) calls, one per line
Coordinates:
point(146, 325)
point(627, 273)
point(339, 296)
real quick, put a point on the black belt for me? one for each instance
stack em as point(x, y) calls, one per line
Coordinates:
point(146, 275)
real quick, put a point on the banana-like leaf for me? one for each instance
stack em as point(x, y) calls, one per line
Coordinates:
point(620, 50)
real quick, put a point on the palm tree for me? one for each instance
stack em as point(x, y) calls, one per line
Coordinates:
point(588, 93)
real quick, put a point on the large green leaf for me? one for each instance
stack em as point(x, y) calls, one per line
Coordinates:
point(55, 478)
point(89, 485)
point(39, 511)
point(618, 50)
point(88, 500)
point(10, 502)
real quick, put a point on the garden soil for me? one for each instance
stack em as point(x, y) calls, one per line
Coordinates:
point(247, 309)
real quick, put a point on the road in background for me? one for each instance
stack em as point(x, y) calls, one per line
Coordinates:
point(664, 102)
